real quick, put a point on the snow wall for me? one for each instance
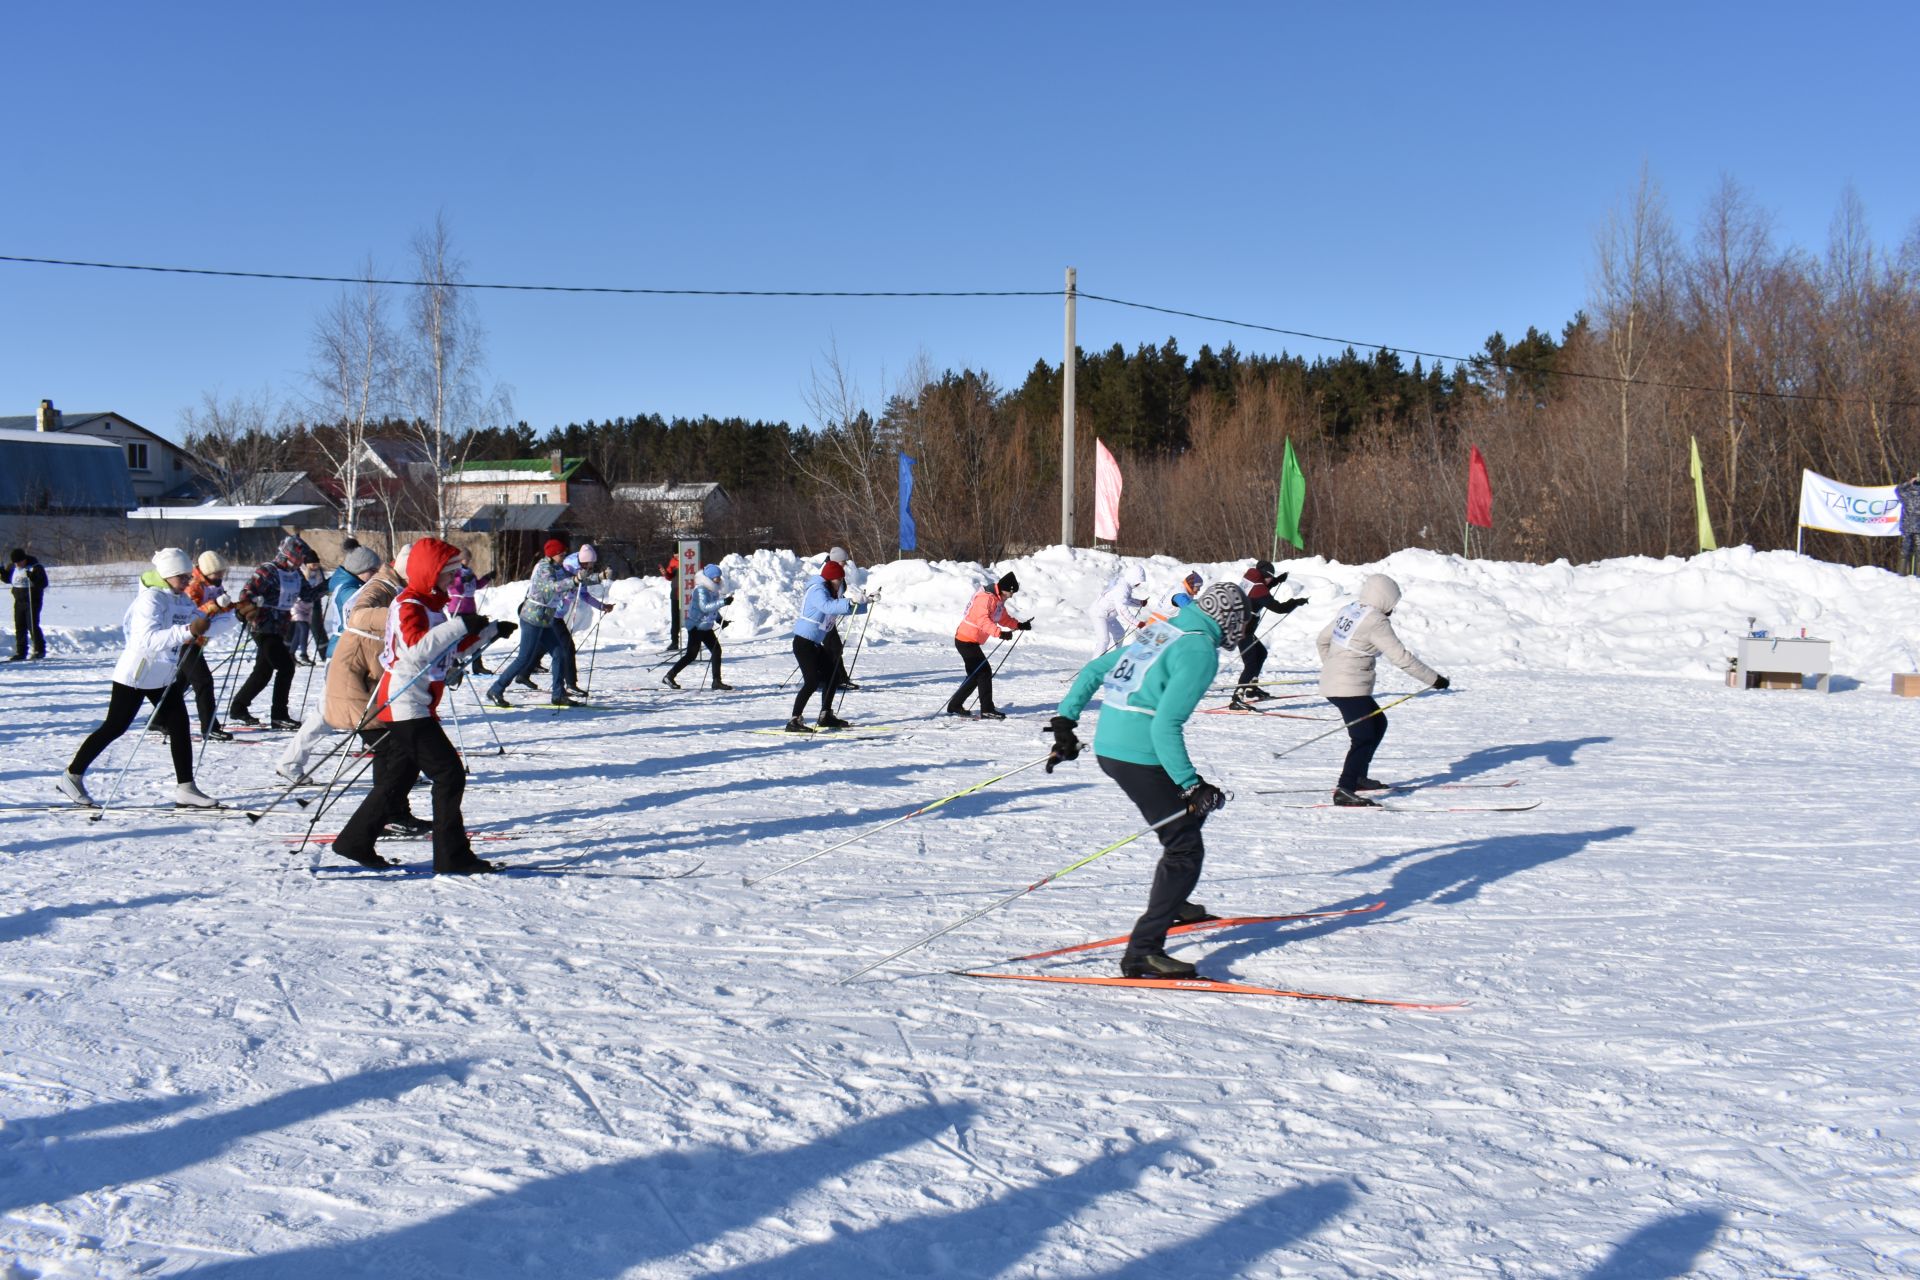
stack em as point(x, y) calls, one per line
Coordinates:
point(1637, 616)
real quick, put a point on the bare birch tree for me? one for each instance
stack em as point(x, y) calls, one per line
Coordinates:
point(851, 464)
point(354, 377)
point(1731, 254)
point(444, 360)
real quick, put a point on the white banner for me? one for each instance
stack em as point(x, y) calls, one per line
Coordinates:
point(1106, 494)
point(1872, 511)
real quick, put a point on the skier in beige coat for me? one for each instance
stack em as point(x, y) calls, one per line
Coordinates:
point(1358, 635)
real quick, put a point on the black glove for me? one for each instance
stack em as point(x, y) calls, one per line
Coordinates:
point(1065, 745)
point(505, 629)
point(728, 600)
point(1282, 577)
point(1027, 625)
point(1203, 798)
point(1288, 606)
point(455, 674)
point(1006, 635)
point(476, 622)
point(1441, 682)
point(723, 622)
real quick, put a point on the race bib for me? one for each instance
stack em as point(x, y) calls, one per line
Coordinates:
point(1125, 676)
point(1350, 618)
point(290, 584)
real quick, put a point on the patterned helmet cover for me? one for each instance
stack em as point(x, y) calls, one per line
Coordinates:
point(1226, 604)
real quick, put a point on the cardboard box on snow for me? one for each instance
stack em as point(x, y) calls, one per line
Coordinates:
point(1906, 684)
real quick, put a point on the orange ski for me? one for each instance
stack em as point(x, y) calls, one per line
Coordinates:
point(1212, 986)
point(1203, 926)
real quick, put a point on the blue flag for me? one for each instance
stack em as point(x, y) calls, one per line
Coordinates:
point(908, 538)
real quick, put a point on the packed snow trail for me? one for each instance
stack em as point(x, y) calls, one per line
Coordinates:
point(1690, 1040)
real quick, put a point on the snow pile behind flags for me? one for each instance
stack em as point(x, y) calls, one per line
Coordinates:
point(1631, 616)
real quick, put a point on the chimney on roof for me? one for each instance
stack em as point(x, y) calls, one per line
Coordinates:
point(48, 417)
point(556, 462)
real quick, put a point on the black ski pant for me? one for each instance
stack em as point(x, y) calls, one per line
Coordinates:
point(406, 750)
point(838, 649)
point(1156, 795)
point(123, 705)
point(26, 624)
point(1364, 731)
point(198, 676)
point(1253, 657)
point(673, 604)
point(272, 661)
point(402, 802)
point(816, 672)
point(696, 637)
point(979, 676)
point(1909, 564)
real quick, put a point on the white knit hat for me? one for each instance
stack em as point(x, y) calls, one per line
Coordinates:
point(171, 562)
point(211, 564)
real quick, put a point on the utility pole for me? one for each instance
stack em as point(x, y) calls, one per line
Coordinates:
point(1067, 369)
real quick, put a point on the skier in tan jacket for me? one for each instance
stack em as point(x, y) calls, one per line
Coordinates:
point(1358, 635)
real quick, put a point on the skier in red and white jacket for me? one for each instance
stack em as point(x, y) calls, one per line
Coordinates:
point(420, 639)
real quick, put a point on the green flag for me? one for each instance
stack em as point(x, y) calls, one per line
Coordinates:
point(1291, 502)
point(1700, 498)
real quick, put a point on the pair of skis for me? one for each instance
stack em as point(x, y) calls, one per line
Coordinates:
point(1204, 985)
point(1391, 799)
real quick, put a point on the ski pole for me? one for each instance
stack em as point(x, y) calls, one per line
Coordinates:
point(113, 792)
point(334, 796)
point(459, 735)
point(925, 808)
point(366, 719)
point(219, 694)
point(1348, 724)
point(1009, 652)
point(593, 650)
point(995, 906)
point(486, 717)
point(861, 643)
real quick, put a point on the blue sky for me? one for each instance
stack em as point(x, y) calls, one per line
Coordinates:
point(1417, 175)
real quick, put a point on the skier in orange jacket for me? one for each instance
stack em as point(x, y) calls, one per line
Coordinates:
point(987, 616)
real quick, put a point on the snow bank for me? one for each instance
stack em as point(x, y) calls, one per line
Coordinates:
point(1632, 616)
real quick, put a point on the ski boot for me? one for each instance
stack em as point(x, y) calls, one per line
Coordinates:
point(74, 787)
point(1344, 799)
point(240, 715)
point(367, 859)
point(670, 682)
point(214, 733)
point(723, 685)
point(1192, 913)
point(1155, 964)
point(188, 796)
point(407, 826)
point(285, 724)
point(797, 725)
point(988, 713)
point(832, 721)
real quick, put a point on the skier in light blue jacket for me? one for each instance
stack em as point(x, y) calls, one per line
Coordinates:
point(703, 624)
point(825, 604)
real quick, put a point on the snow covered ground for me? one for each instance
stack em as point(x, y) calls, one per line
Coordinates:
point(1690, 1043)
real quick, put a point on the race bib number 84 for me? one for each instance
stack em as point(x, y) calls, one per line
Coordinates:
point(1126, 675)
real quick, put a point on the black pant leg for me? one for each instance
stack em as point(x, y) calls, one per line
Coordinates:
point(1182, 851)
point(1253, 657)
point(22, 622)
point(257, 679)
point(123, 704)
point(436, 757)
point(1364, 732)
point(837, 650)
point(394, 769)
point(282, 675)
point(979, 676)
point(34, 600)
point(198, 676)
point(170, 714)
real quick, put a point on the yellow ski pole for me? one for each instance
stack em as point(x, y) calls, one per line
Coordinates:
point(1348, 724)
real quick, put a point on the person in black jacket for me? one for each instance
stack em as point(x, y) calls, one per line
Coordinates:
point(1259, 585)
point(1909, 495)
point(28, 578)
point(265, 604)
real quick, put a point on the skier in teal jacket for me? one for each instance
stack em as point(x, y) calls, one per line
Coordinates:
point(1148, 689)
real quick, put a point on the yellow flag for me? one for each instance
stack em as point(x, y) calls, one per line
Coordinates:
point(1700, 498)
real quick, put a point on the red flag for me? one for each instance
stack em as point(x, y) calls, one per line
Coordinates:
point(1479, 491)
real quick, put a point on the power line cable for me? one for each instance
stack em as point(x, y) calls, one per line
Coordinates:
point(1483, 361)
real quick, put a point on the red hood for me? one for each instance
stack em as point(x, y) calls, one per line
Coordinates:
point(424, 565)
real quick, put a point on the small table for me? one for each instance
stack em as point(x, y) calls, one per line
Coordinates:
point(1789, 655)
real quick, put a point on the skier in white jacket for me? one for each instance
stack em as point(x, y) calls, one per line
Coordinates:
point(161, 624)
point(1358, 635)
point(1115, 611)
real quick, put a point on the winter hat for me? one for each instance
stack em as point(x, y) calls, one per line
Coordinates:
point(19, 555)
point(712, 571)
point(211, 564)
point(837, 554)
point(359, 560)
point(1135, 576)
point(171, 562)
point(588, 555)
point(400, 561)
point(1192, 581)
point(294, 551)
point(1226, 604)
point(554, 547)
point(1262, 571)
point(1008, 583)
point(832, 572)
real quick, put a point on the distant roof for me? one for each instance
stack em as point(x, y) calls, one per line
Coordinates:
point(666, 492)
point(271, 485)
point(398, 455)
point(264, 516)
point(516, 517)
point(58, 473)
point(31, 422)
point(512, 470)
